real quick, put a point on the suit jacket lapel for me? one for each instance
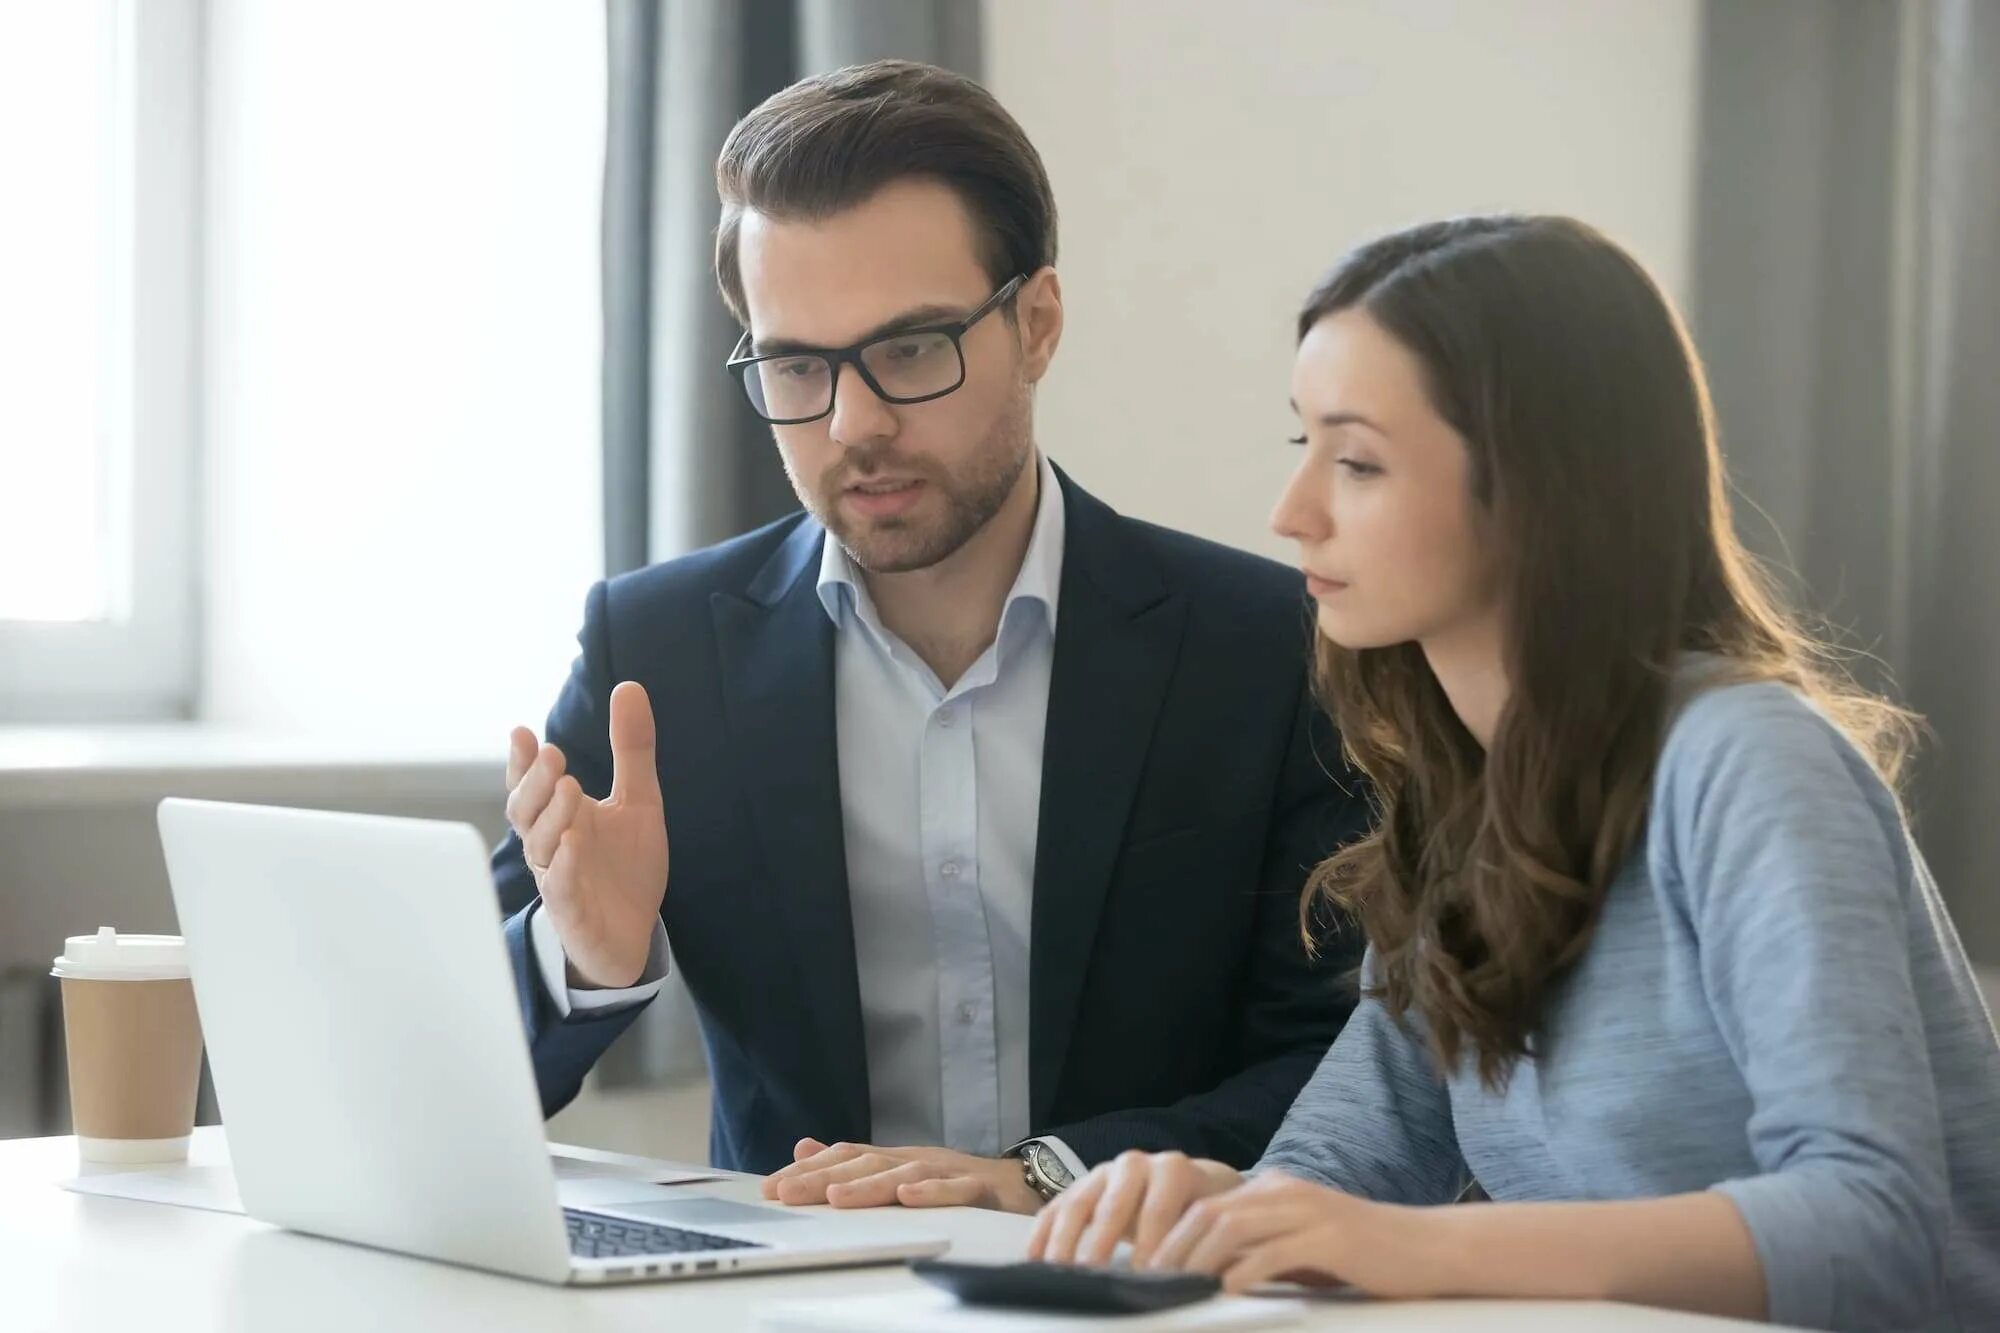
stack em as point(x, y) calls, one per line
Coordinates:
point(776, 646)
point(1119, 632)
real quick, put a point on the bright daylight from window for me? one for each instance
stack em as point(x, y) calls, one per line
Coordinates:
point(58, 453)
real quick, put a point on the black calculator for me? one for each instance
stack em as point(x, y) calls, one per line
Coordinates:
point(1065, 1288)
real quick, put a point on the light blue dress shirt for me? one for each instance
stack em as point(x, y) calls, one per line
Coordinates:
point(940, 793)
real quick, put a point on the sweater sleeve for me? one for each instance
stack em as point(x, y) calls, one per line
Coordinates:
point(1792, 860)
point(1374, 1120)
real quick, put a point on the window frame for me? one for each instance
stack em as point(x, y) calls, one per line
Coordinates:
point(140, 664)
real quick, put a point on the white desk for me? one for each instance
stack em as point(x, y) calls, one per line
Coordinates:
point(72, 1262)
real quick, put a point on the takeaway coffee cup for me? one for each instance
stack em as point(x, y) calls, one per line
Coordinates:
point(134, 1045)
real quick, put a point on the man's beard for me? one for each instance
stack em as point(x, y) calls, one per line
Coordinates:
point(971, 497)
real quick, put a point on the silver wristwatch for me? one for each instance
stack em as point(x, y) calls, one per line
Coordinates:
point(1044, 1171)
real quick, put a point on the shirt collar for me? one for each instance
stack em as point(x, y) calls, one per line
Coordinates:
point(1038, 582)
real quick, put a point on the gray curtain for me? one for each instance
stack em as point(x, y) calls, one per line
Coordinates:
point(1847, 302)
point(685, 462)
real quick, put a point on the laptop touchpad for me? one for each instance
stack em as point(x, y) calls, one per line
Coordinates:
point(707, 1211)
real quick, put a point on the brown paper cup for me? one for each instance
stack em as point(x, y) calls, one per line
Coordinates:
point(134, 1047)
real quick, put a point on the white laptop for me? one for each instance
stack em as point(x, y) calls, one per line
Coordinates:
point(366, 1043)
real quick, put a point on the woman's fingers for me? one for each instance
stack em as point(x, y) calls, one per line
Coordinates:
point(1045, 1221)
point(1067, 1217)
point(1244, 1223)
point(1307, 1254)
point(1132, 1176)
point(1176, 1186)
point(1136, 1197)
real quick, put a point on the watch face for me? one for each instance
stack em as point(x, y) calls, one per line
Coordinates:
point(1051, 1167)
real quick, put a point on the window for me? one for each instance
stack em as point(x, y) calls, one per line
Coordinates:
point(298, 327)
point(401, 461)
point(100, 131)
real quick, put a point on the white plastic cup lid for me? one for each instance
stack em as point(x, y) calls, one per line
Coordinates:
point(109, 956)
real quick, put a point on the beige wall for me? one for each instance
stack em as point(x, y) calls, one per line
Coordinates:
point(1211, 159)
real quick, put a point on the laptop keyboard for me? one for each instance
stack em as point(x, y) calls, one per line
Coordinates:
point(595, 1236)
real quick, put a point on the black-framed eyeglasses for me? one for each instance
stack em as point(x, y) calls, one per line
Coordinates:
point(911, 365)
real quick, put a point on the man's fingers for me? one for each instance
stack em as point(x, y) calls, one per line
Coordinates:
point(944, 1192)
point(810, 1155)
point(521, 748)
point(823, 1157)
point(635, 774)
point(811, 1186)
point(879, 1188)
point(544, 838)
point(802, 1152)
point(531, 794)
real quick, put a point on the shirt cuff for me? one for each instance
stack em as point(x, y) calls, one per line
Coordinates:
point(554, 966)
point(1077, 1170)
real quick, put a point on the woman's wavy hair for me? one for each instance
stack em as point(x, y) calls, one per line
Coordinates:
point(1565, 370)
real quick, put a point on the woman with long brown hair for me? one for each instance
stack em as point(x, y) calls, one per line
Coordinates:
point(1652, 960)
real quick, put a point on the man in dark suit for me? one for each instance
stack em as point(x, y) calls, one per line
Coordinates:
point(990, 809)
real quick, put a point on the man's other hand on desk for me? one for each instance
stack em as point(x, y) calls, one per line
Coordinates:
point(857, 1175)
point(600, 866)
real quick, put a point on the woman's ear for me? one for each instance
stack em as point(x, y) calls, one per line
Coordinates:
point(1039, 315)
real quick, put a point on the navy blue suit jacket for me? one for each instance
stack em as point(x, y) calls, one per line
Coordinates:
point(1188, 785)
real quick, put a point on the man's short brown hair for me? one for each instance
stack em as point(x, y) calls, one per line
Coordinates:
point(830, 142)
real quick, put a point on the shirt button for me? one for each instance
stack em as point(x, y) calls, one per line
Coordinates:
point(949, 870)
point(967, 1012)
point(946, 717)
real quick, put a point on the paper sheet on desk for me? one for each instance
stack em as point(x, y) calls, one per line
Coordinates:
point(926, 1310)
point(210, 1187)
point(580, 1181)
point(583, 1168)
